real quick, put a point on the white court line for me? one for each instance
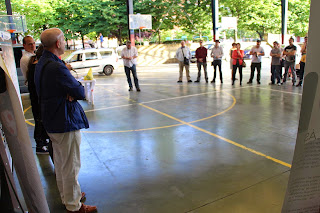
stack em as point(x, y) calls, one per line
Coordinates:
point(295, 93)
point(165, 99)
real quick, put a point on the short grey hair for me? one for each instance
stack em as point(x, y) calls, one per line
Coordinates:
point(50, 36)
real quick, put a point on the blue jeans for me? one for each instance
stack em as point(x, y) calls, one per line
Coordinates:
point(134, 73)
point(275, 73)
point(290, 65)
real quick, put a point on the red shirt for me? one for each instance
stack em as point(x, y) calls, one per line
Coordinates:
point(201, 52)
point(236, 55)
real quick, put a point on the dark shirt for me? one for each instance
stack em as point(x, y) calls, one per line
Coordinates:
point(290, 58)
point(59, 115)
point(201, 52)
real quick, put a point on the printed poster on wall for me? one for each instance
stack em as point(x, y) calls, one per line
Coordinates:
point(303, 191)
point(16, 134)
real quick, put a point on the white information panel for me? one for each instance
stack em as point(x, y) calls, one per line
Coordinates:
point(303, 192)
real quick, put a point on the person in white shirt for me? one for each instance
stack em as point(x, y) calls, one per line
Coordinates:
point(29, 46)
point(129, 56)
point(183, 55)
point(256, 52)
point(216, 54)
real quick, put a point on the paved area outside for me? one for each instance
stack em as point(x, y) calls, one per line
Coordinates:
point(186, 147)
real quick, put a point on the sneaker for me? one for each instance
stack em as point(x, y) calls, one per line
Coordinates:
point(85, 209)
point(130, 89)
point(138, 90)
point(196, 81)
point(189, 81)
point(279, 84)
point(179, 81)
point(43, 150)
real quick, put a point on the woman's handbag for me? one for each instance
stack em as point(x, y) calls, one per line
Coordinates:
point(244, 63)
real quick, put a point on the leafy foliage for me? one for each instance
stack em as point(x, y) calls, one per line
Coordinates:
point(109, 17)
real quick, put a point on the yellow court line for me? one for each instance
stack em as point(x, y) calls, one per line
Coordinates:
point(28, 122)
point(191, 125)
point(233, 104)
point(162, 127)
point(212, 134)
point(134, 130)
point(152, 128)
point(220, 137)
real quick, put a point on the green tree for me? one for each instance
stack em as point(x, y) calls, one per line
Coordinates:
point(259, 16)
point(162, 12)
point(38, 14)
point(116, 22)
point(195, 16)
point(298, 18)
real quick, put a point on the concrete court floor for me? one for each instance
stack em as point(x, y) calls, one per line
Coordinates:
point(183, 147)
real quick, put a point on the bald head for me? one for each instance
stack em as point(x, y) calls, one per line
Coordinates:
point(53, 40)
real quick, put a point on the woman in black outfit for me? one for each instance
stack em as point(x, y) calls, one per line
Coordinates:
point(40, 134)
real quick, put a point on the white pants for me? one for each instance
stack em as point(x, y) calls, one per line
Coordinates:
point(66, 155)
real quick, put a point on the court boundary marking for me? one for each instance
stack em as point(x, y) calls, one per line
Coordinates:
point(144, 102)
point(202, 130)
point(212, 134)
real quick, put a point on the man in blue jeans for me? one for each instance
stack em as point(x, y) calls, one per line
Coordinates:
point(129, 56)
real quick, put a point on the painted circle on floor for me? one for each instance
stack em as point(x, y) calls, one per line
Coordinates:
point(143, 105)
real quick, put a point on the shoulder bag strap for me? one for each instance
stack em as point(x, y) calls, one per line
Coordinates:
point(182, 52)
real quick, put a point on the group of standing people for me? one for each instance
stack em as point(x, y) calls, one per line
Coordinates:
point(280, 58)
point(287, 58)
point(183, 55)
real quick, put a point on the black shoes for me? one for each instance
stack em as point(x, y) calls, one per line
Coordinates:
point(179, 81)
point(258, 82)
point(43, 150)
point(249, 82)
point(196, 81)
point(189, 81)
point(213, 81)
point(130, 89)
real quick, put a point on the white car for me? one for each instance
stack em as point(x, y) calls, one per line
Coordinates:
point(100, 60)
